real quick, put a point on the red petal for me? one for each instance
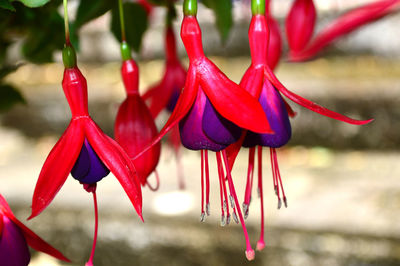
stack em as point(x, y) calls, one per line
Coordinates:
point(233, 150)
point(231, 100)
point(118, 162)
point(1, 224)
point(309, 104)
point(345, 24)
point(185, 102)
point(33, 240)
point(252, 81)
point(57, 167)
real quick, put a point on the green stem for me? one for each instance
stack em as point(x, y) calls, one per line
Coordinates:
point(67, 40)
point(258, 7)
point(190, 7)
point(122, 21)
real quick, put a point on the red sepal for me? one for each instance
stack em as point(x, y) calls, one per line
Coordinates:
point(117, 161)
point(252, 80)
point(233, 150)
point(345, 24)
point(57, 166)
point(309, 104)
point(231, 100)
point(32, 239)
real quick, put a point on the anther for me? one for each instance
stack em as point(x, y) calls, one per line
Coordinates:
point(202, 217)
point(223, 223)
point(235, 218)
point(279, 204)
point(208, 209)
point(228, 219)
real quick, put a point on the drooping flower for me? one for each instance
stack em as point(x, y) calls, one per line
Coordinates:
point(261, 82)
point(134, 126)
point(15, 238)
point(300, 23)
point(84, 151)
point(211, 110)
point(345, 24)
point(164, 94)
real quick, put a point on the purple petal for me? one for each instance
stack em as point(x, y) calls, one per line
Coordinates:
point(13, 247)
point(89, 169)
point(278, 118)
point(191, 130)
point(217, 128)
point(173, 100)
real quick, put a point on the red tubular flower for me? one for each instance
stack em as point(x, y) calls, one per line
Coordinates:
point(134, 125)
point(260, 81)
point(346, 24)
point(210, 109)
point(65, 153)
point(15, 238)
point(300, 23)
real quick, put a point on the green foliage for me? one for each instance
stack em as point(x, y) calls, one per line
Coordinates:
point(136, 23)
point(91, 9)
point(9, 96)
point(6, 5)
point(223, 14)
point(33, 3)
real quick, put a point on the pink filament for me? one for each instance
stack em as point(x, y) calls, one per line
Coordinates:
point(261, 242)
point(250, 172)
point(222, 180)
point(202, 182)
point(277, 176)
point(96, 227)
point(249, 251)
point(207, 183)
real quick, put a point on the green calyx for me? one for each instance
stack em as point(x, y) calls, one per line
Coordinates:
point(69, 56)
point(190, 7)
point(258, 7)
point(125, 51)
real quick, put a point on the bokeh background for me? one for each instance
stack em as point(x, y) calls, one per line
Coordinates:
point(341, 180)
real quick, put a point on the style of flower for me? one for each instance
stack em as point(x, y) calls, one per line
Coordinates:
point(84, 151)
point(134, 126)
point(211, 111)
point(345, 24)
point(300, 23)
point(15, 238)
point(260, 81)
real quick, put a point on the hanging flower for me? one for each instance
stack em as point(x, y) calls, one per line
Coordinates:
point(15, 238)
point(300, 23)
point(211, 110)
point(134, 125)
point(346, 24)
point(260, 81)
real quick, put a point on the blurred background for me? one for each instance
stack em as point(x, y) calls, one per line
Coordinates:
point(341, 180)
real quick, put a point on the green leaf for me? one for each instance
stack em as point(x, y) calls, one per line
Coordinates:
point(160, 2)
point(33, 3)
point(136, 23)
point(223, 14)
point(6, 5)
point(91, 9)
point(9, 96)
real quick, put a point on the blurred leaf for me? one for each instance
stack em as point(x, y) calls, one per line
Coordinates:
point(6, 5)
point(91, 9)
point(9, 96)
point(136, 22)
point(38, 47)
point(5, 70)
point(223, 15)
point(33, 3)
point(160, 2)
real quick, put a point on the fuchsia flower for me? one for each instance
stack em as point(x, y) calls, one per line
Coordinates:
point(84, 151)
point(211, 110)
point(300, 23)
point(275, 41)
point(260, 81)
point(346, 24)
point(165, 93)
point(15, 238)
point(134, 125)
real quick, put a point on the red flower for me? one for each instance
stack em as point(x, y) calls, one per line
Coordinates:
point(300, 23)
point(346, 24)
point(134, 125)
point(82, 129)
point(260, 81)
point(15, 238)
